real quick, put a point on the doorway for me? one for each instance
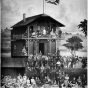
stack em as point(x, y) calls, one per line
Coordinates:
point(41, 48)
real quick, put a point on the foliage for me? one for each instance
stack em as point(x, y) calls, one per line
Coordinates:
point(83, 25)
point(73, 44)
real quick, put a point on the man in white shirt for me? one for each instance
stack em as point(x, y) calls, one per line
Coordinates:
point(28, 82)
point(33, 81)
point(19, 77)
point(24, 79)
point(44, 31)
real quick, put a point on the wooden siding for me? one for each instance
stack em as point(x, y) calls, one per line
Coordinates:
point(53, 47)
point(13, 62)
point(30, 47)
point(17, 47)
point(12, 71)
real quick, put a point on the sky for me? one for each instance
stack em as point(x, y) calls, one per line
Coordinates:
point(68, 12)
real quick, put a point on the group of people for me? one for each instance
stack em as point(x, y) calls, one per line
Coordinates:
point(51, 66)
point(18, 82)
point(45, 32)
point(41, 70)
point(62, 81)
point(74, 62)
point(43, 64)
point(54, 60)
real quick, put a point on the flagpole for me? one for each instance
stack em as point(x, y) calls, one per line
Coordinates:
point(43, 6)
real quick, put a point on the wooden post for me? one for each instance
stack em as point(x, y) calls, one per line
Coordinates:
point(50, 45)
point(56, 45)
point(50, 37)
point(28, 40)
point(36, 47)
point(33, 46)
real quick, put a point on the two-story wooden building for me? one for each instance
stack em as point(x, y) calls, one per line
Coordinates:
point(39, 33)
point(36, 34)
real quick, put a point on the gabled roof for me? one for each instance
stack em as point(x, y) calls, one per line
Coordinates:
point(33, 18)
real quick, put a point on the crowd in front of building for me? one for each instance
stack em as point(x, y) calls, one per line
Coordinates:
point(55, 60)
point(47, 70)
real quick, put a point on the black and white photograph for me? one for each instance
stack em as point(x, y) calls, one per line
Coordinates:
point(43, 44)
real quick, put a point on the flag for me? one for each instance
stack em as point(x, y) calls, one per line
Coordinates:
point(55, 2)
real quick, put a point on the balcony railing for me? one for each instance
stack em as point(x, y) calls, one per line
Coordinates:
point(16, 37)
point(25, 36)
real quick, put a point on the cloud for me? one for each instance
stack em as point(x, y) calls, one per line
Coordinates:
point(74, 11)
point(69, 12)
point(61, 11)
point(31, 11)
point(12, 11)
point(10, 7)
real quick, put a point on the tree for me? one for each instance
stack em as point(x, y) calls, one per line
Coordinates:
point(73, 44)
point(83, 25)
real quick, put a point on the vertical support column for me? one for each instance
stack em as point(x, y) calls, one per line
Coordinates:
point(56, 45)
point(36, 47)
point(28, 40)
point(26, 65)
point(50, 45)
point(50, 39)
point(33, 46)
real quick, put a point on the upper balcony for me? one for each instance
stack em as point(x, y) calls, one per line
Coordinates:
point(36, 36)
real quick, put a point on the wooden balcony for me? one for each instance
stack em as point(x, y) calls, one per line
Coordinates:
point(17, 37)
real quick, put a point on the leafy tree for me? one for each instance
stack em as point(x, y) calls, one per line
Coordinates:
point(73, 44)
point(83, 25)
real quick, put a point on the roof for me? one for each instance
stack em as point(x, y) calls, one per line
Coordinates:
point(33, 18)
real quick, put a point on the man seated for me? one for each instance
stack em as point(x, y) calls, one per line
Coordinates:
point(79, 81)
point(63, 85)
point(49, 80)
point(19, 78)
point(24, 51)
point(33, 81)
point(73, 81)
point(28, 82)
point(34, 34)
point(8, 81)
point(24, 80)
point(45, 79)
point(38, 82)
point(66, 81)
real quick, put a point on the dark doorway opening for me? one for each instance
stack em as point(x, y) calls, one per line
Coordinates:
point(41, 48)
